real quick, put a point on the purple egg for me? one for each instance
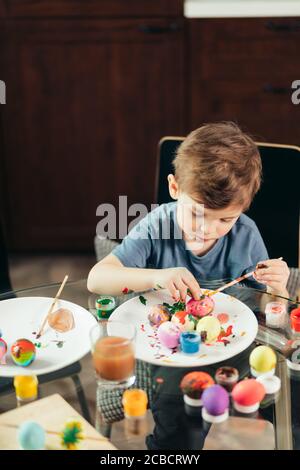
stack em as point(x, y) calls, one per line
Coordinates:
point(215, 400)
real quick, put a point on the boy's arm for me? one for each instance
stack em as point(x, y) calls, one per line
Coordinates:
point(110, 276)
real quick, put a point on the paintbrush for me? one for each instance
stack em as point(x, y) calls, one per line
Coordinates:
point(41, 330)
point(239, 279)
point(47, 431)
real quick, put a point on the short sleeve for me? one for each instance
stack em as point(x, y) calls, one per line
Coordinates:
point(135, 249)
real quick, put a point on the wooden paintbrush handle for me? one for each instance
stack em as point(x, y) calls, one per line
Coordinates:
point(52, 306)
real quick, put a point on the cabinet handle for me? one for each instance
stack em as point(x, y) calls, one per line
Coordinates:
point(283, 27)
point(276, 90)
point(150, 29)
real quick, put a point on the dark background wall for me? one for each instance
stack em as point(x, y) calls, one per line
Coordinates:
point(93, 85)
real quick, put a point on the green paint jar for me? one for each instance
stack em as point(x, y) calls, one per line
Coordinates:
point(105, 305)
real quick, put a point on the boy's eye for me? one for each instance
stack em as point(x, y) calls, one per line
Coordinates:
point(226, 220)
point(197, 214)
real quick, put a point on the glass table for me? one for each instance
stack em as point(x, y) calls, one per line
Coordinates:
point(169, 425)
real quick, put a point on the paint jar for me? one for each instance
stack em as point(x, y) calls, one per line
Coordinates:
point(105, 305)
point(275, 314)
point(295, 320)
point(227, 377)
point(26, 387)
point(190, 342)
point(135, 403)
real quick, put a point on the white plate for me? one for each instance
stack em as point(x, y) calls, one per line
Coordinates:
point(149, 349)
point(21, 317)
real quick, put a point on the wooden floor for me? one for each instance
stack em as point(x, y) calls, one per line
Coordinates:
point(28, 271)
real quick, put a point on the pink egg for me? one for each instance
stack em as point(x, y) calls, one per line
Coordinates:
point(168, 333)
point(3, 351)
point(200, 308)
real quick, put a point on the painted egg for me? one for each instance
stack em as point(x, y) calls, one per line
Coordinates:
point(3, 350)
point(158, 314)
point(61, 320)
point(209, 328)
point(194, 383)
point(262, 360)
point(248, 392)
point(184, 320)
point(215, 400)
point(168, 333)
point(31, 436)
point(200, 308)
point(23, 352)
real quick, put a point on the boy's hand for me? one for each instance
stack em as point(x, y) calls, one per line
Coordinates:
point(274, 274)
point(177, 281)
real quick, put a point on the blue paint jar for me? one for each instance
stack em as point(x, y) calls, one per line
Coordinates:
point(190, 342)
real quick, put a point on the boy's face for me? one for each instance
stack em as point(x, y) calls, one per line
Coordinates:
point(202, 227)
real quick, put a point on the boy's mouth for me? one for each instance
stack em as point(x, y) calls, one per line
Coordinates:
point(201, 240)
point(205, 239)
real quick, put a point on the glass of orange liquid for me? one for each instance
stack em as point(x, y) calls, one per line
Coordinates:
point(113, 353)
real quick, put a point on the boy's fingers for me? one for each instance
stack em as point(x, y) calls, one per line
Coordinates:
point(270, 262)
point(271, 277)
point(193, 286)
point(182, 288)
point(172, 289)
point(270, 270)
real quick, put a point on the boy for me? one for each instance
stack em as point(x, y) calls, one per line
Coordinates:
point(217, 174)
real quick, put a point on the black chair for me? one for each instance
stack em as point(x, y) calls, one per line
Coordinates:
point(275, 208)
point(72, 371)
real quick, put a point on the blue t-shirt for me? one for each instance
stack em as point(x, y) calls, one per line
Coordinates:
point(156, 242)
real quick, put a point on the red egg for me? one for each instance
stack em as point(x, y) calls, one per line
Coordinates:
point(194, 383)
point(248, 392)
point(200, 308)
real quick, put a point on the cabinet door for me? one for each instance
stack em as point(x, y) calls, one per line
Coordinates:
point(92, 8)
point(242, 70)
point(87, 102)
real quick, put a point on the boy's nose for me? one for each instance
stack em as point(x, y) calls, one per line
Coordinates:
point(208, 230)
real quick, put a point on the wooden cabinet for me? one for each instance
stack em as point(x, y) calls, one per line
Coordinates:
point(91, 8)
point(87, 102)
point(242, 70)
point(92, 85)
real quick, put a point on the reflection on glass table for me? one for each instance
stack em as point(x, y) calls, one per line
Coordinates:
point(170, 423)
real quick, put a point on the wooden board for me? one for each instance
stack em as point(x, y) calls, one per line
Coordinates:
point(51, 413)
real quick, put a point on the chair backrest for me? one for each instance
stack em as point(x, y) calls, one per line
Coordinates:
point(5, 284)
point(275, 208)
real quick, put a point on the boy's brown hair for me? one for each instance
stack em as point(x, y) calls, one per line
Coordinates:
point(219, 165)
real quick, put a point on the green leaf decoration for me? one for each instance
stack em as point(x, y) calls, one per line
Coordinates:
point(176, 307)
point(71, 435)
point(142, 299)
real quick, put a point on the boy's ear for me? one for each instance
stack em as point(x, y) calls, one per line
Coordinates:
point(173, 187)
